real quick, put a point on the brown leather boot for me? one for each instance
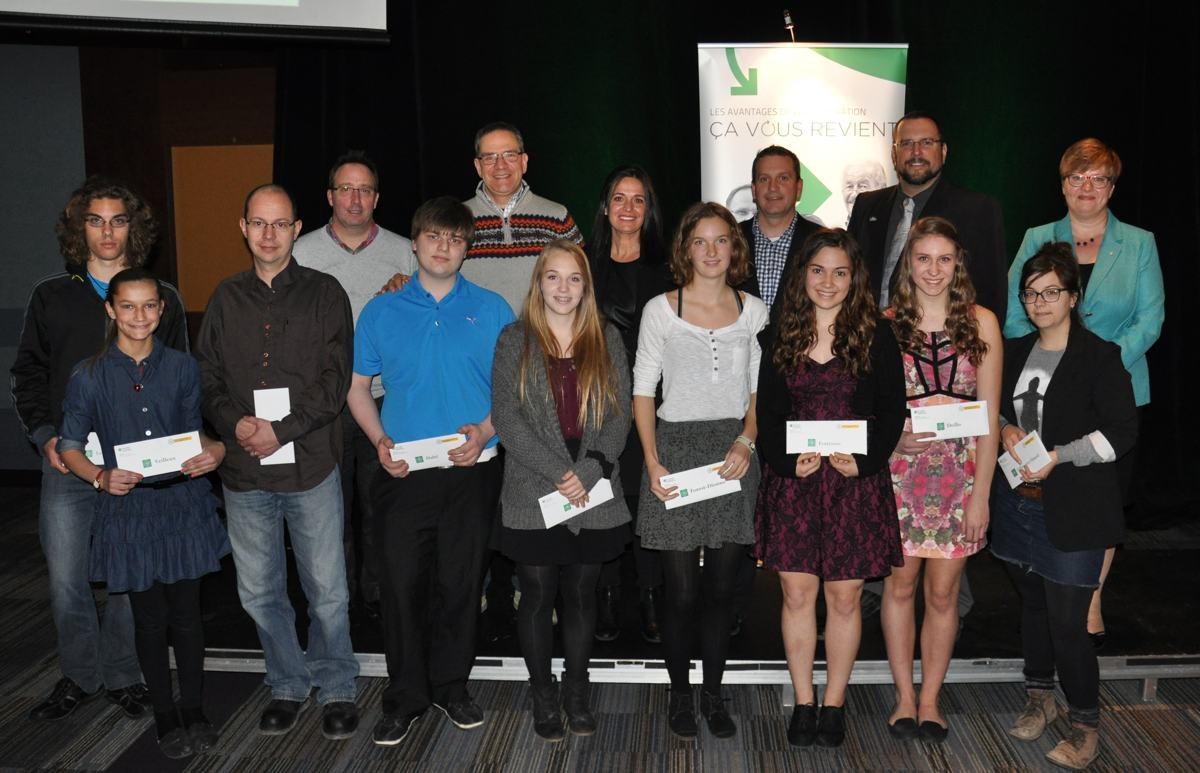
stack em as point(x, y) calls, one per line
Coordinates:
point(1078, 749)
point(1040, 710)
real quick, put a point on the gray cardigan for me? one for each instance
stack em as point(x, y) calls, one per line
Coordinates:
point(537, 456)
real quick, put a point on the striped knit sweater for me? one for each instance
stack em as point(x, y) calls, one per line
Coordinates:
point(508, 240)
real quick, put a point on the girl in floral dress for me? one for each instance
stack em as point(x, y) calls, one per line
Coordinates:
point(952, 353)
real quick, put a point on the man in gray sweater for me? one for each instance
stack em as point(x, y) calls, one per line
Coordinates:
point(361, 255)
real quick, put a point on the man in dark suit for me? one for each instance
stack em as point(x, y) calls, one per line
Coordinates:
point(919, 153)
point(777, 231)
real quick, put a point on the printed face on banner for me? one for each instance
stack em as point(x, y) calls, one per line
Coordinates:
point(860, 177)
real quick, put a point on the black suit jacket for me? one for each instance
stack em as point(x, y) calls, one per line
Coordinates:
point(804, 229)
point(980, 225)
point(1090, 390)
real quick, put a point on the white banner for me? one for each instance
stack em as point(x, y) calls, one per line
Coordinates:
point(833, 105)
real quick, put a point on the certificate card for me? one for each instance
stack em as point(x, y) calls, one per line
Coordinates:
point(1033, 455)
point(158, 455)
point(951, 420)
point(698, 484)
point(92, 450)
point(556, 508)
point(428, 453)
point(273, 405)
point(827, 437)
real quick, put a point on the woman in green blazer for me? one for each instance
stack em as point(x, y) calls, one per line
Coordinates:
point(1121, 282)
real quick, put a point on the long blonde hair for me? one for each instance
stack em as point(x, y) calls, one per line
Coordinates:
point(961, 324)
point(596, 379)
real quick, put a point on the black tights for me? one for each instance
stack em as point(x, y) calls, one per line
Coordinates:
point(685, 589)
point(177, 607)
point(540, 586)
point(1054, 636)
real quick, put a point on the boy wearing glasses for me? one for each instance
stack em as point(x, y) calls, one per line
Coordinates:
point(274, 351)
point(104, 228)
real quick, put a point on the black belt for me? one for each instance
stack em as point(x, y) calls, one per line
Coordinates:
point(166, 483)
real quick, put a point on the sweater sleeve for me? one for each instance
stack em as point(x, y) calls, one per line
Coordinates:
point(774, 408)
point(880, 397)
point(647, 368)
point(31, 376)
point(600, 460)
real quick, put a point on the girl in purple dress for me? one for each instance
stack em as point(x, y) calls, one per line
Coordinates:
point(830, 519)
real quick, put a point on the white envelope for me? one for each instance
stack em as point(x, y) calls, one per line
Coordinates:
point(556, 508)
point(1033, 455)
point(93, 451)
point(428, 453)
point(158, 455)
point(826, 437)
point(698, 484)
point(951, 420)
point(273, 405)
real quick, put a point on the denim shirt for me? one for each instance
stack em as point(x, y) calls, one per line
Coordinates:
point(124, 403)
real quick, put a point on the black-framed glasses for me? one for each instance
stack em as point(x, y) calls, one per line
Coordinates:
point(259, 224)
point(924, 143)
point(1099, 181)
point(1049, 295)
point(116, 221)
point(346, 189)
point(509, 156)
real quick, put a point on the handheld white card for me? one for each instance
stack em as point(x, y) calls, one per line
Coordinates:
point(827, 437)
point(698, 484)
point(158, 455)
point(556, 508)
point(93, 451)
point(273, 405)
point(951, 420)
point(1033, 454)
point(428, 453)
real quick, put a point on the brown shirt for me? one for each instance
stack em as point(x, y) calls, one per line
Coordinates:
point(296, 333)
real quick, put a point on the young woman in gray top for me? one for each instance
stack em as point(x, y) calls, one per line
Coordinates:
point(561, 405)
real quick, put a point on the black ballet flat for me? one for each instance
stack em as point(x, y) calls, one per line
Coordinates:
point(904, 728)
point(933, 732)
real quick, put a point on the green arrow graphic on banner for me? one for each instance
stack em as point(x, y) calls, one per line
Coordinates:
point(888, 64)
point(815, 192)
point(747, 84)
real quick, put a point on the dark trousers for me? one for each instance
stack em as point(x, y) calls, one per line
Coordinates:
point(432, 531)
point(1054, 637)
point(360, 463)
point(174, 607)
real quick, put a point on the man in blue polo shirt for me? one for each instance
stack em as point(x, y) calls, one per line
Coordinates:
point(431, 344)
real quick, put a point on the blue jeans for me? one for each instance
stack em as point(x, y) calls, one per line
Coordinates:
point(92, 652)
point(314, 521)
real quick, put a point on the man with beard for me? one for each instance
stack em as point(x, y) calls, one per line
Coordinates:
point(881, 219)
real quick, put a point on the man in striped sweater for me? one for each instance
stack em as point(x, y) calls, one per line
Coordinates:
point(512, 224)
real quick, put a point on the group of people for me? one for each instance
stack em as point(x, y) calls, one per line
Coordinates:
point(511, 391)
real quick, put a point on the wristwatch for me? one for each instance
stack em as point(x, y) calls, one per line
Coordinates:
point(96, 483)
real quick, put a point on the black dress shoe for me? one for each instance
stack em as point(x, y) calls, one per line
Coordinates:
point(391, 729)
point(831, 726)
point(649, 607)
point(933, 732)
point(280, 716)
point(134, 700)
point(176, 744)
point(606, 613)
point(465, 713)
point(339, 720)
point(64, 699)
point(802, 729)
point(904, 728)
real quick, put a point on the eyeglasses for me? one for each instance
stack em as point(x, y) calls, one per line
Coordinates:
point(346, 189)
point(509, 156)
point(1099, 181)
point(1049, 295)
point(116, 221)
point(259, 224)
point(924, 143)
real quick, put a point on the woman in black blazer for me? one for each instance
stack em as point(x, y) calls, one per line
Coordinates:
point(1051, 531)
